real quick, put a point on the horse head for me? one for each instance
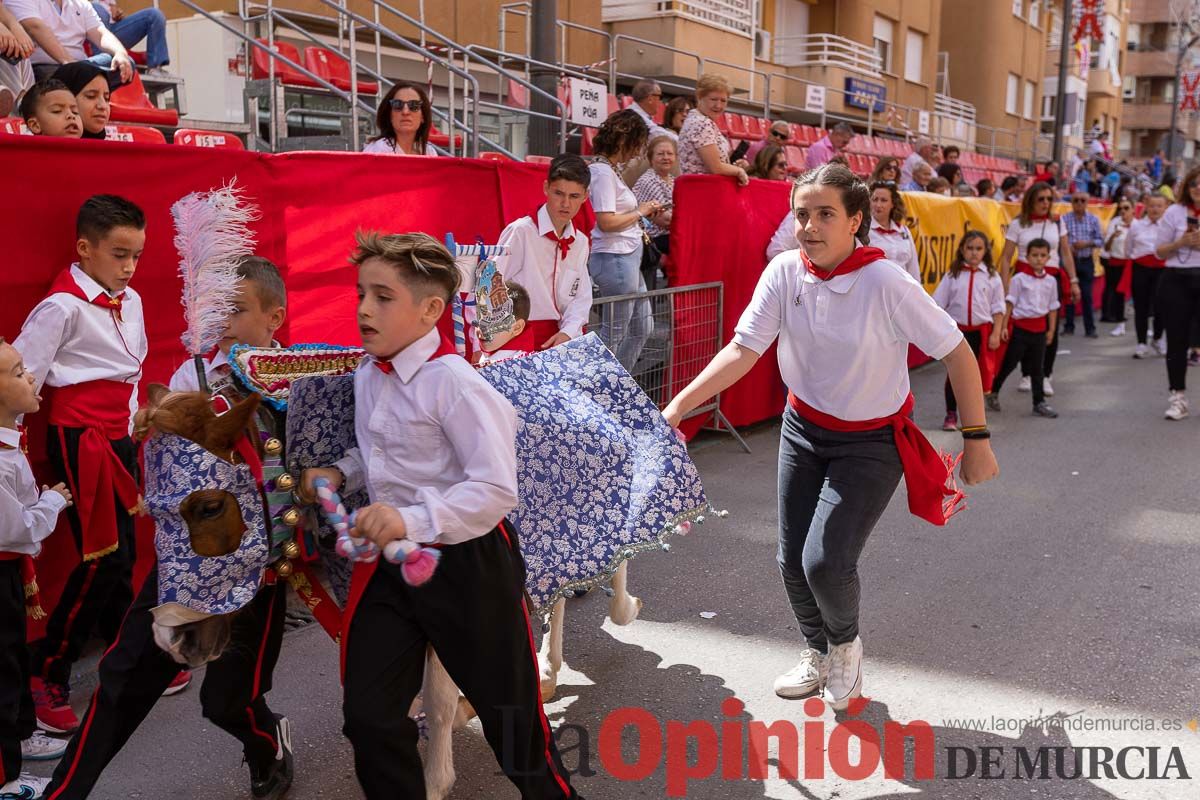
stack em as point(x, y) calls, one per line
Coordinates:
point(210, 523)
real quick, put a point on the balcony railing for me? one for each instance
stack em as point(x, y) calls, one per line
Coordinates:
point(730, 15)
point(827, 50)
point(948, 106)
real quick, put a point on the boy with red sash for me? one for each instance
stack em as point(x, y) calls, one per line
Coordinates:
point(85, 344)
point(27, 517)
point(437, 454)
point(1032, 305)
point(550, 259)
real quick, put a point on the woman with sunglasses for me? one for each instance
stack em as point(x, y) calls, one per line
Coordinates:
point(404, 119)
point(1114, 257)
point(1036, 222)
point(886, 169)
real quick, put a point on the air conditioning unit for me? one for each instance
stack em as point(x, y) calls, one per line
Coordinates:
point(762, 45)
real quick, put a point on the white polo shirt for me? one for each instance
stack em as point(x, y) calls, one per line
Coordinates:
point(1145, 236)
point(1032, 297)
point(70, 25)
point(1174, 224)
point(897, 244)
point(985, 292)
point(843, 343)
point(784, 238)
point(1021, 235)
point(559, 288)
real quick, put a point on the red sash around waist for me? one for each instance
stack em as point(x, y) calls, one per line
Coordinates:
point(536, 332)
point(1031, 324)
point(101, 408)
point(928, 473)
point(1125, 282)
point(1151, 261)
point(986, 356)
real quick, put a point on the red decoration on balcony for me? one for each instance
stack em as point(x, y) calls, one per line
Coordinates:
point(1189, 91)
point(1089, 20)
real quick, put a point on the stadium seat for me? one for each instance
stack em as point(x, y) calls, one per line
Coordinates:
point(757, 128)
point(14, 126)
point(660, 115)
point(723, 122)
point(130, 104)
point(260, 65)
point(516, 96)
point(138, 134)
point(857, 144)
point(492, 155)
point(587, 135)
point(626, 101)
point(795, 159)
point(809, 134)
point(440, 139)
point(334, 68)
point(796, 133)
point(614, 104)
point(538, 159)
point(736, 126)
point(190, 137)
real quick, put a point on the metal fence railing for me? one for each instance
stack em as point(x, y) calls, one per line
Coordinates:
point(665, 337)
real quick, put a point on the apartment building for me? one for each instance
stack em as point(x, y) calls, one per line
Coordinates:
point(1148, 87)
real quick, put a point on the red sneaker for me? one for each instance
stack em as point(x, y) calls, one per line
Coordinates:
point(179, 683)
point(52, 705)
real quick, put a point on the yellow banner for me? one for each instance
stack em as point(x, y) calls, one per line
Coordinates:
point(938, 223)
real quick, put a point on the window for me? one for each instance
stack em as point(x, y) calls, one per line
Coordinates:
point(1010, 96)
point(885, 32)
point(914, 55)
point(1125, 141)
point(1018, 8)
point(1027, 105)
point(1035, 10)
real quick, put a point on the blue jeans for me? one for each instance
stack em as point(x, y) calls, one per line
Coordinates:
point(148, 24)
point(101, 60)
point(626, 325)
point(833, 487)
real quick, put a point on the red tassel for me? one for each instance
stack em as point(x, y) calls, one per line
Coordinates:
point(33, 598)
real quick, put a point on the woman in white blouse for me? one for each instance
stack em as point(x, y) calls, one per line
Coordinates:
point(1114, 257)
point(1179, 289)
point(844, 316)
point(615, 262)
point(888, 231)
point(703, 149)
point(404, 119)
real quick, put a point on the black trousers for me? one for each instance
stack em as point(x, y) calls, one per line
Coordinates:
point(135, 671)
point(1146, 301)
point(16, 704)
point(474, 614)
point(1112, 303)
point(1179, 301)
point(1050, 353)
point(975, 340)
point(98, 591)
point(1029, 350)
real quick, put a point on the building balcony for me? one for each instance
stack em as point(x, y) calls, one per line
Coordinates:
point(1100, 84)
point(1150, 63)
point(952, 108)
point(1145, 11)
point(1154, 116)
point(827, 50)
point(731, 15)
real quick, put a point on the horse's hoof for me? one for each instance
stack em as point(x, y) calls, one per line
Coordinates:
point(463, 714)
point(623, 613)
point(549, 678)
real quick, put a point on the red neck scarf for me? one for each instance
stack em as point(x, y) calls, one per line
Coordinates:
point(65, 283)
point(564, 243)
point(444, 348)
point(854, 262)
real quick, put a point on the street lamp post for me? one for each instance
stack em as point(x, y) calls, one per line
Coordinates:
point(1060, 105)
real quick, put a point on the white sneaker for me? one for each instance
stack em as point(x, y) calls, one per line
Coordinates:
point(807, 677)
point(40, 747)
point(1177, 407)
point(158, 72)
point(1047, 389)
point(1160, 345)
point(1141, 351)
point(25, 787)
point(845, 673)
point(1026, 384)
point(1119, 330)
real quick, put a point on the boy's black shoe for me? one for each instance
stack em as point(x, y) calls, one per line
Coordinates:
point(1044, 410)
point(273, 782)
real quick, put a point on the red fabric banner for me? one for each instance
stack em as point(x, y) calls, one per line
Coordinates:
point(311, 204)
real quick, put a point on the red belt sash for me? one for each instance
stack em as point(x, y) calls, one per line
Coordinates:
point(1150, 261)
point(928, 474)
point(1031, 324)
point(1125, 282)
point(536, 333)
point(986, 356)
point(101, 408)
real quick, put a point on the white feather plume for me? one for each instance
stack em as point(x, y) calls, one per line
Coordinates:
point(212, 235)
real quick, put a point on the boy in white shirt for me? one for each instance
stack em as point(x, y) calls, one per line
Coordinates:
point(550, 258)
point(26, 519)
point(1031, 297)
point(437, 454)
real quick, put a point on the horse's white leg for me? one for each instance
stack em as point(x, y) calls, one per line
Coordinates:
point(550, 657)
point(440, 699)
point(623, 608)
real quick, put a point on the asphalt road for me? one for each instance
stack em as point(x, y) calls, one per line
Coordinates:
point(1067, 591)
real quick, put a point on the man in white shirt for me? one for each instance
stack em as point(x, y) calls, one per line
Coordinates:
point(924, 152)
point(647, 101)
point(59, 28)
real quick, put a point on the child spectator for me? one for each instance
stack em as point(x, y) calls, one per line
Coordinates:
point(85, 344)
point(550, 258)
point(136, 671)
point(973, 295)
point(26, 519)
point(438, 459)
point(1145, 235)
point(1032, 305)
point(49, 109)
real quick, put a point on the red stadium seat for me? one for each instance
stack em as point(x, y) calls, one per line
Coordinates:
point(758, 128)
point(795, 159)
point(737, 126)
point(139, 134)
point(190, 137)
point(492, 155)
point(260, 65)
point(660, 115)
point(334, 68)
point(723, 122)
point(14, 126)
point(626, 101)
point(130, 104)
point(538, 159)
point(614, 105)
point(857, 144)
point(440, 139)
point(517, 96)
point(809, 134)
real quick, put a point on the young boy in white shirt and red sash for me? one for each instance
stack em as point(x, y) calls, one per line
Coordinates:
point(437, 454)
point(85, 344)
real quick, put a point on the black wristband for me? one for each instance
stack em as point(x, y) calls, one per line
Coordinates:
point(977, 434)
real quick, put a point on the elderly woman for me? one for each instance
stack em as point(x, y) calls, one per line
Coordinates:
point(922, 176)
point(703, 148)
point(404, 119)
point(657, 184)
